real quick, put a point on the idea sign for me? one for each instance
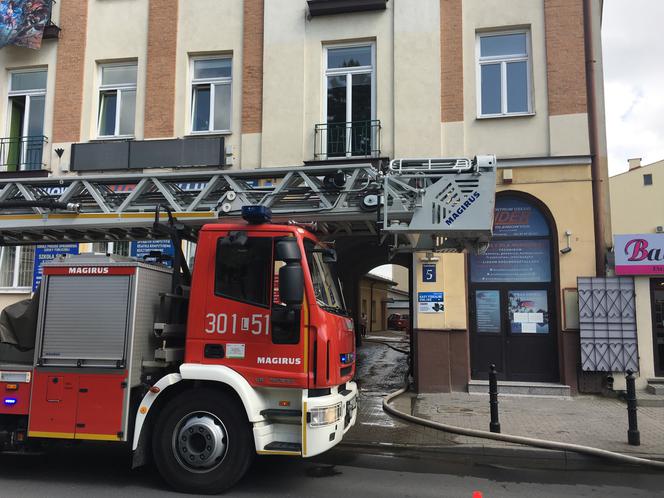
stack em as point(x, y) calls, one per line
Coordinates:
point(639, 254)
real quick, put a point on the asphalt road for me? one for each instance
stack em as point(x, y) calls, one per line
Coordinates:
point(98, 471)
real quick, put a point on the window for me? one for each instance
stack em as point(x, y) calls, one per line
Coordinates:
point(647, 179)
point(117, 100)
point(324, 279)
point(242, 271)
point(120, 248)
point(27, 98)
point(504, 74)
point(16, 267)
point(211, 95)
point(350, 100)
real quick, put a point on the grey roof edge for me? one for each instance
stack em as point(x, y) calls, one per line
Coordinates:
point(529, 162)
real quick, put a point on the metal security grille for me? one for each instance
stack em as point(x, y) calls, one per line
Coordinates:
point(607, 316)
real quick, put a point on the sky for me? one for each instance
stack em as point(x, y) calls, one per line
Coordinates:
point(633, 50)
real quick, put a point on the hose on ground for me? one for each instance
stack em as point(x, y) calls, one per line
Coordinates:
point(537, 443)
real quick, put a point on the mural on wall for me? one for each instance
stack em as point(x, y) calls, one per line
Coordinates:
point(22, 22)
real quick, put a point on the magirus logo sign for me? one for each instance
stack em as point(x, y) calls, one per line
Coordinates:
point(462, 208)
point(639, 254)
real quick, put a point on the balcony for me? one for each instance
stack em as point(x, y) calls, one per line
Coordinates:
point(357, 139)
point(330, 7)
point(22, 154)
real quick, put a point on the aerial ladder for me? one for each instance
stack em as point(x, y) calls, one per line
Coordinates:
point(412, 204)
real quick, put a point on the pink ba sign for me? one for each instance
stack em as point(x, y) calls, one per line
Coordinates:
point(639, 254)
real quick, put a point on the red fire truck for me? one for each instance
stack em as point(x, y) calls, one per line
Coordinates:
point(252, 353)
point(262, 363)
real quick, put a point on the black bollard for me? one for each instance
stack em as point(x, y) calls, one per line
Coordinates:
point(633, 435)
point(494, 425)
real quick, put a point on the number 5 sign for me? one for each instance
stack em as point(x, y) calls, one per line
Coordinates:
point(428, 273)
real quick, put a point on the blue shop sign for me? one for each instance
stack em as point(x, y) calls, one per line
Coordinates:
point(46, 253)
point(141, 249)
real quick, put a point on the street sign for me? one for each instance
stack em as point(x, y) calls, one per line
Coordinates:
point(428, 273)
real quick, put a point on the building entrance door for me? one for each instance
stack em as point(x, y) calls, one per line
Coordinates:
point(512, 298)
point(657, 300)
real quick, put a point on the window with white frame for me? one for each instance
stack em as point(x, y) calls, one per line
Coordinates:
point(211, 94)
point(504, 73)
point(16, 267)
point(350, 100)
point(25, 126)
point(120, 247)
point(117, 100)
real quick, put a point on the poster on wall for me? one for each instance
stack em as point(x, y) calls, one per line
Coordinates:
point(513, 261)
point(487, 311)
point(22, 22)
point(45, 253)
point(430, 302)
point(528, 311)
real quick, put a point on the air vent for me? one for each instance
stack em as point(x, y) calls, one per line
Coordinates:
point(659, 229)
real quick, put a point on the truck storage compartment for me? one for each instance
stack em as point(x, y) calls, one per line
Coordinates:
point(95, 327)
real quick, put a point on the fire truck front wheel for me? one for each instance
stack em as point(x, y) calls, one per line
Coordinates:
point(202, 442)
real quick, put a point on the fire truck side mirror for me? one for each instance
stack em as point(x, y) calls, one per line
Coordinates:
point(291, 284)
point(287, 250)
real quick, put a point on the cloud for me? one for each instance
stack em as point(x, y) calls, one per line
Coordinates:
point(633, 51)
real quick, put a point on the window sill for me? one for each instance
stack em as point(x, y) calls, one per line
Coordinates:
point(113, 138)
point(15, 290)
point(209, 134)
point(502, 116)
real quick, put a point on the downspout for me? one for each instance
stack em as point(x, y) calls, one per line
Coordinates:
point(599, 197)
point(371, 307)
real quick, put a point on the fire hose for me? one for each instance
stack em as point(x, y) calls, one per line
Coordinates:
point(508, 438)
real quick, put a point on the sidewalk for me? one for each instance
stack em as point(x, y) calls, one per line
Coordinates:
point(586, 420)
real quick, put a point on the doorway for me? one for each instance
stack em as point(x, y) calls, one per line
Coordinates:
point(657, 303)
point(512, 297)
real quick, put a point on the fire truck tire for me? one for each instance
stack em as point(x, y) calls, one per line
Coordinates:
point(202, 442)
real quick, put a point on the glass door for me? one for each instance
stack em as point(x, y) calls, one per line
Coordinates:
point(657, 301)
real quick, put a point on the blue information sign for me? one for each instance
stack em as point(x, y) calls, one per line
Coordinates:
point(428, 273)
point(142, 248)
point(45, 253)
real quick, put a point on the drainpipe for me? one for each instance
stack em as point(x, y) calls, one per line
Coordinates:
point(599, 195)
point(371, 307)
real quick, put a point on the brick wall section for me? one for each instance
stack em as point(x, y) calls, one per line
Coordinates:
point(451, 49)
point(68, 98)
point(162, 54)
point(565, 56)
point(252, 67)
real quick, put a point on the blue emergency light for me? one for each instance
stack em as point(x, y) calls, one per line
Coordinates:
point(256, 214)
point(10, 401)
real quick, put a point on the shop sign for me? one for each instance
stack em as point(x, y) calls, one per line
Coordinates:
point(46, 253)
point(430, 302)
point(513, 261)
point(639, 254)
point(515, 217)
point(143, 248)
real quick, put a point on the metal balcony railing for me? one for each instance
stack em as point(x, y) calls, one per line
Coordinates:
point(22, 153)
point(351, 139)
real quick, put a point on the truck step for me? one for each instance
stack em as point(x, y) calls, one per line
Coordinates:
point(283, 446)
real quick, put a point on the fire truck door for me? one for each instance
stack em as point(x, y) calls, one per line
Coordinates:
point(100, 410)
point(53, 405)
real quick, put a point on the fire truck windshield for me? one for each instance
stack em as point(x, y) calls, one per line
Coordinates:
point(325, 280)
